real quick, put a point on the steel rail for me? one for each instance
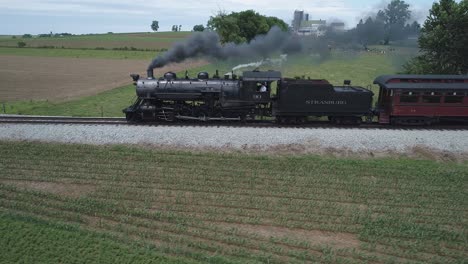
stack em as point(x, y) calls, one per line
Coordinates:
point(28, 119)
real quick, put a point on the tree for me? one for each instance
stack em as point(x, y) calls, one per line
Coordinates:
point(371, 31)
point(180, 27)
point(198, 28)
point(443, 40)
point(243, 26)
point(155, 25)
point(21, 44)
point(396, 14)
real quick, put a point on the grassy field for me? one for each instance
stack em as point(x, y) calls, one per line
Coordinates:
point(158, 40)
point(135, 204)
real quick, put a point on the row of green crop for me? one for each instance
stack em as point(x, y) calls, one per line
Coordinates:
point(199, 203)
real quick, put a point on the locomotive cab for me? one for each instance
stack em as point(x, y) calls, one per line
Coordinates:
point(257, 86)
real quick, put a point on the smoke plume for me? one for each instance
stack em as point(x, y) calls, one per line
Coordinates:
point(207, 44)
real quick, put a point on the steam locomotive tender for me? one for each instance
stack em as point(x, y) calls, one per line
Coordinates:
point(236, 99)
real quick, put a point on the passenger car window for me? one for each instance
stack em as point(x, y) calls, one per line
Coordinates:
point(431, 99)
point(453, 99)
point(409, 97)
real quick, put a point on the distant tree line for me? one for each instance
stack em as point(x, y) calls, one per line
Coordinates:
point(176, 28)
point(393, 23)
point(49, 35)
point(56, 35)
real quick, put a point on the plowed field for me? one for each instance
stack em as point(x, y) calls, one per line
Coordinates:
point(50, 78)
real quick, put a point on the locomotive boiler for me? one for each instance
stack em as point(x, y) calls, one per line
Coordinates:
point(202, 98)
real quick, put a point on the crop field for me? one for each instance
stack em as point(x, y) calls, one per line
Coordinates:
point(154, 41)
point(227, 208)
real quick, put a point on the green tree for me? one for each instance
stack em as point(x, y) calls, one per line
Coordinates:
point(396, 15)
point(443, 41)
point(155, 25)
point(198, 28)
point(274, 21)
point(21, 44)
point(243, 26)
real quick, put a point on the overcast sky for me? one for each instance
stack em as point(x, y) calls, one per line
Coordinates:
point(100, 16)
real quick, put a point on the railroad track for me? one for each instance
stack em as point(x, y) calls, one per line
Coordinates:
point(27, 119)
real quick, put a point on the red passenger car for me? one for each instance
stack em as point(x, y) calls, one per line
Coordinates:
point(422, 99)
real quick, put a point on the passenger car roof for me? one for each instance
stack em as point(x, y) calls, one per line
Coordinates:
point(428, 82)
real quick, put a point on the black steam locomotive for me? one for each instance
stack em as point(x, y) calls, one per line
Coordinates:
point(255, 95)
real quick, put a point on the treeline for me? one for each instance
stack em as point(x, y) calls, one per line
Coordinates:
point(49, 35)
point(393, 23)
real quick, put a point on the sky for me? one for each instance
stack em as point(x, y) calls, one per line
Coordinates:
point(100, 16)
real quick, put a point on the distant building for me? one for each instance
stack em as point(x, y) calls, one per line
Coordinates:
point(312, 27)
point(298, 18)
point(338, 26)
point(302, 25)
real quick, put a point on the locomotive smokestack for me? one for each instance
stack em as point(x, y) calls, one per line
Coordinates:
point(150, 74)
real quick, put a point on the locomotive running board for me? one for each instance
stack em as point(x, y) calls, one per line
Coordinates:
point(205, 118)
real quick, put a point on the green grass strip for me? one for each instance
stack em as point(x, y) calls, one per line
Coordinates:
point(31, 240)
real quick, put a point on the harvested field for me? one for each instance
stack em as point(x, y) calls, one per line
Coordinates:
point(153, 41)
point(233, 208)
point(41, 78)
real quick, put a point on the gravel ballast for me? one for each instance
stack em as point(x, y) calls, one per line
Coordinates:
point(350, 139)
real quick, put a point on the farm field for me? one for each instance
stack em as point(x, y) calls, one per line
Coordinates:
point(154, 41)
point(56, 78)
point(361, 68)
point(228, 208)
point(80, 53)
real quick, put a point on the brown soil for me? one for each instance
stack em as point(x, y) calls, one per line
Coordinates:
point(65, 189)
point(417, 152)
point(314, 237)
point(41, 78)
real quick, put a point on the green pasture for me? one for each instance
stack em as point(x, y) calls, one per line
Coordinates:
point(73, 203)
point(80, 53)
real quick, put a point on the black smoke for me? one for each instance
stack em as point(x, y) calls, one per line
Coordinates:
point(207, 44)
